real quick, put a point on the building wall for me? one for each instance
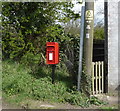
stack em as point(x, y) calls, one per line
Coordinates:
point(112, 45)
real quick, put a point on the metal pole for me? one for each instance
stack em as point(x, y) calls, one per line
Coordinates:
point(81, 47)
point(53, 73)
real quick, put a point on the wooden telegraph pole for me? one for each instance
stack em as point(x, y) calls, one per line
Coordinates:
point(88, 40)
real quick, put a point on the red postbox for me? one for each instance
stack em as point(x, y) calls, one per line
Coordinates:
point(52, 53)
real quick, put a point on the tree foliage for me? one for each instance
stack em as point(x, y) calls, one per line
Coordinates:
point(27, 26)
point(99, 31)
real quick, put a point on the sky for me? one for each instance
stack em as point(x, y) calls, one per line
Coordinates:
point(98, 10)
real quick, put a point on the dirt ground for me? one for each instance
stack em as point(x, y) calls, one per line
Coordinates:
point(32, 104)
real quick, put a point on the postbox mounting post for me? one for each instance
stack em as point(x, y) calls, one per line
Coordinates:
point(53, 73)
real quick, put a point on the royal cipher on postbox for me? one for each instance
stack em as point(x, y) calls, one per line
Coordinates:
point(52, 53)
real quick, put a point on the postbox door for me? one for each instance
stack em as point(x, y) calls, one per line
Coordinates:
point(50, 54)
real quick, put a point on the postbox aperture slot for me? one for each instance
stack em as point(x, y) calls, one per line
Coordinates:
point(50, 48)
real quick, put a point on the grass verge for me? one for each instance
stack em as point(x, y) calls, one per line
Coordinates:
point(19, 84)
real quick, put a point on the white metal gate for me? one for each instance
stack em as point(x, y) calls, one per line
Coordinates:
point(97, 77)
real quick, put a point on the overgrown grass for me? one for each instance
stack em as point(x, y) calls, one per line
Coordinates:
point(19, 83)
point(112, 108)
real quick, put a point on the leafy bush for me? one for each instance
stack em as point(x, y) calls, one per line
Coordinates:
point(31, 60)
